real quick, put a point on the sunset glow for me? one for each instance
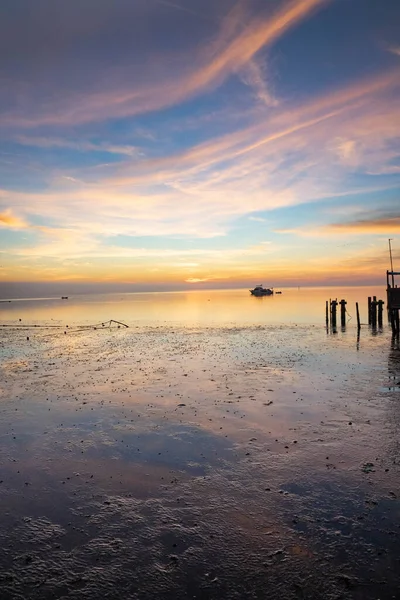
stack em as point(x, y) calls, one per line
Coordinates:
point(199, 143)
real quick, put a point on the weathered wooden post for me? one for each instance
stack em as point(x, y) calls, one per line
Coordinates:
point(343, 313)
point(380, 313)
point(369, 310)
point(373, 312)
point(327, 313)
point(358, 317)
point(334, 304)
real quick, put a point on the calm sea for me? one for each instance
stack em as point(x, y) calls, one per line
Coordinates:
point(203, 308)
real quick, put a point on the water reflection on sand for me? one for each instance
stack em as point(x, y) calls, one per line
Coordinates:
point(208, 462)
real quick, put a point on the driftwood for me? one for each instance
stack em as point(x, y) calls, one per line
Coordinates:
point(107, 324)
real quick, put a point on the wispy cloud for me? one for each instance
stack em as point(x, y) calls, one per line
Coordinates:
point(177, 6)
point(287, 159)
point(352, 110)
point(230, 52)
point(253, 74)
point(257, 219)
point(81, 146)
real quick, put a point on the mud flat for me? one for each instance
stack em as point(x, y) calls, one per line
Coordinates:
point(210, 462)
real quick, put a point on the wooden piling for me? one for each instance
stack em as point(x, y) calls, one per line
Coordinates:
point(334, 304)
point(343, 313)
point(373, 312)
point(380, 313)
point(327, 313)
point(358, 317)
point(369, 310)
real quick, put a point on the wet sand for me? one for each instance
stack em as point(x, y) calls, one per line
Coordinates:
point(199, 462)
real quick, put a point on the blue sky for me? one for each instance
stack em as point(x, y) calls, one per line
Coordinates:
point(196, 141)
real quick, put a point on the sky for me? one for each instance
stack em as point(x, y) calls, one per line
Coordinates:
point(192, 143)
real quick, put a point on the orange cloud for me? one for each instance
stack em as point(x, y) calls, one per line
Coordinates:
point(10, 221)
point(386, 225)
point(255, 36)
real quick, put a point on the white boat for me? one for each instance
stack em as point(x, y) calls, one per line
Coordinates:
point(259, 290)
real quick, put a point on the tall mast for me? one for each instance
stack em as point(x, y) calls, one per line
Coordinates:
point(391, 260)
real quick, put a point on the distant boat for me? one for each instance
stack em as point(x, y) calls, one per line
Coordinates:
point(64, 297)
point(278, 292)
point(259, 290)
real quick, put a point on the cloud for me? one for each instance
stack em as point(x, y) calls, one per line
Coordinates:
point(257, 219)
point(286, 159)
point(347, 151)
point(377, 224)
point(81, 146)
point(229, 53)
point(360, 108)
point(294, 154)
point(69, 178)
point(196, 280)
point(255, 36)
point(395, 50)
point(387, 225)
point(253, 75)
point(10, 221)
point(179, 7)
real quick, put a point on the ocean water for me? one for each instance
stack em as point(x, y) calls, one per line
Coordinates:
point(204, 308)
